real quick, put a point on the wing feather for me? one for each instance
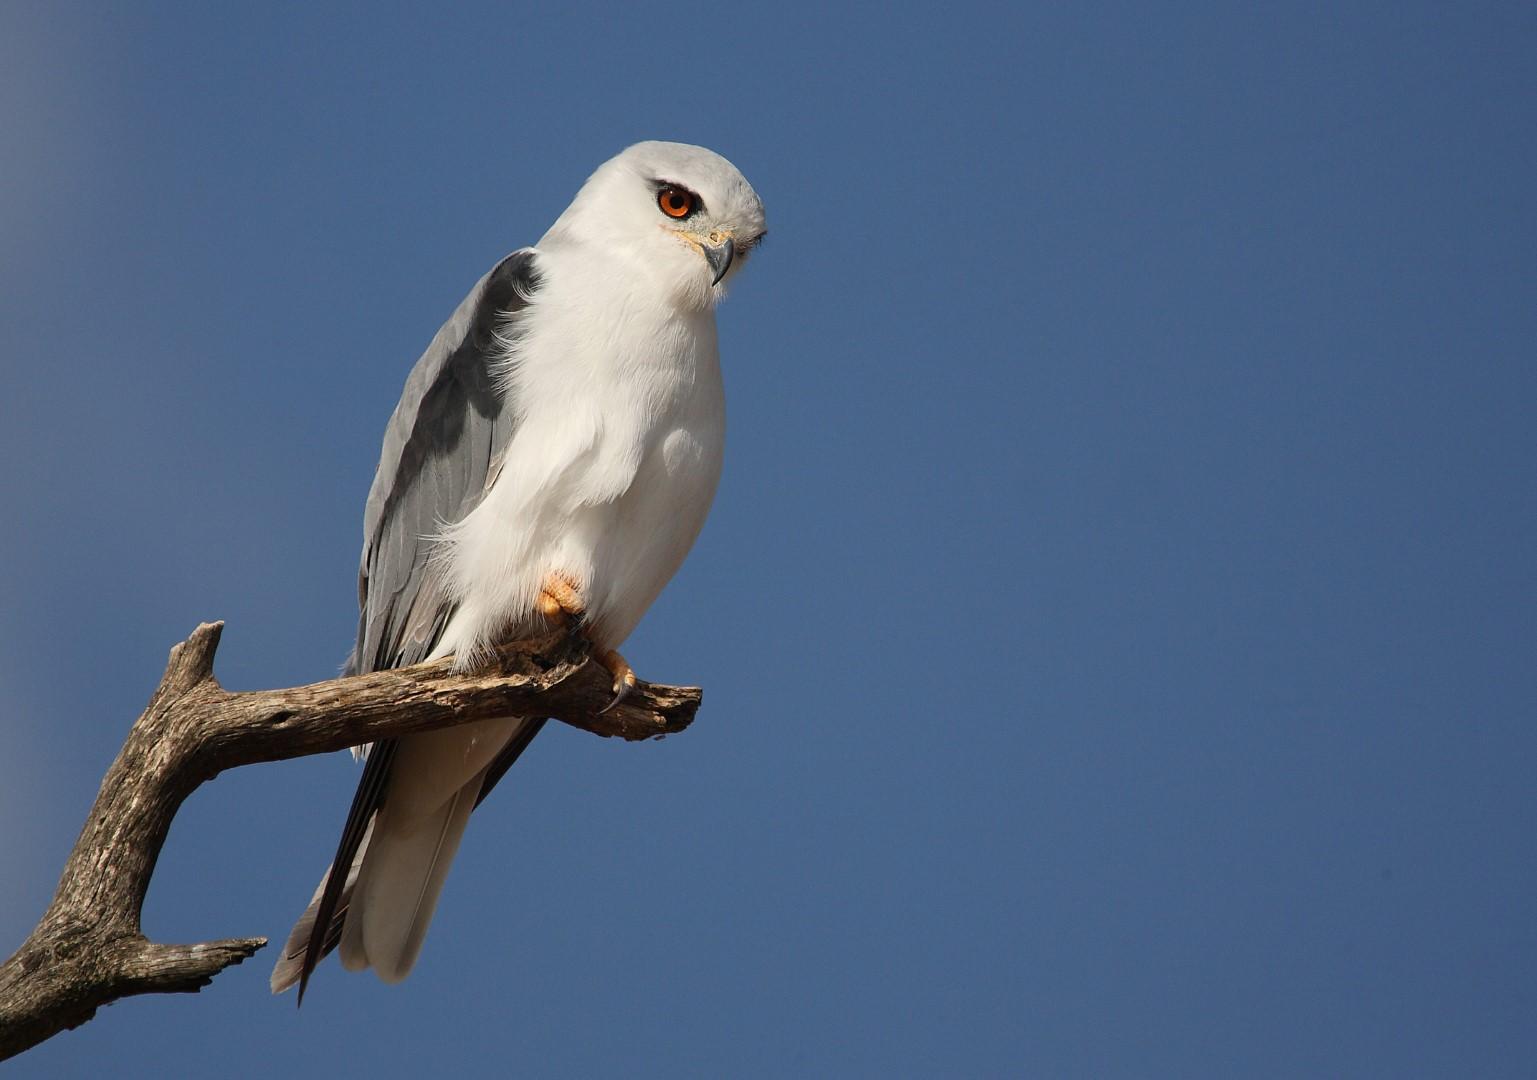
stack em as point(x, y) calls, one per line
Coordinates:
point(451, 425)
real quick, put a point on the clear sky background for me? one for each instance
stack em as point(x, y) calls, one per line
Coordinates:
point(1117, 620)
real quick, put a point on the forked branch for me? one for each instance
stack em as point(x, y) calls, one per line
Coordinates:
point(88, 949)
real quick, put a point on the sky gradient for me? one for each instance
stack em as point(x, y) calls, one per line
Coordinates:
point(1117, 620)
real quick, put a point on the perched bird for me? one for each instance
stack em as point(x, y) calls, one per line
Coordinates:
point(552, 457)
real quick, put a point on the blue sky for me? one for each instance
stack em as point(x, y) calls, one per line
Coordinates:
point(1117, 619)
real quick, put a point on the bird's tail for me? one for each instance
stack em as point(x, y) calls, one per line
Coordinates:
point(391, 891)
point(402, 857)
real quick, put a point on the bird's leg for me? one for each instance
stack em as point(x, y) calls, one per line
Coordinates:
point(560, 600)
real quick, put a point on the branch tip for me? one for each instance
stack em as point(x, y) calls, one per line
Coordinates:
point(191, 661)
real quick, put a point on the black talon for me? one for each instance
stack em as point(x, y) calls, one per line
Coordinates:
point(626, 688)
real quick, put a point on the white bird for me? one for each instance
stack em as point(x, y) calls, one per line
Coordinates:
point(553, 456)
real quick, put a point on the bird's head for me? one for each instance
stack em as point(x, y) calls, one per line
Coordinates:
point(686, 212)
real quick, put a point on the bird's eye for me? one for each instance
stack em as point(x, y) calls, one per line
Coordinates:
point(677, 202)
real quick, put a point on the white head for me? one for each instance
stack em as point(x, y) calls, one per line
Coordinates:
point(682, 211)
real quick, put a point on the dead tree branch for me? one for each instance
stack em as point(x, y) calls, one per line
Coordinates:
point(88, 949)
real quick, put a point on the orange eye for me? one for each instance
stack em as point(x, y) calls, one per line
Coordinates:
point(676, 202)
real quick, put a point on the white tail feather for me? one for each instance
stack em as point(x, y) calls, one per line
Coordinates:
point(399, 886)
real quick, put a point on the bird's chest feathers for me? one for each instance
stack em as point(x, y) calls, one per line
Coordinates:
point(613, 386)
point(613, 461)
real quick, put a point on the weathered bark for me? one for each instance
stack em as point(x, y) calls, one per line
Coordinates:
point(88, 949)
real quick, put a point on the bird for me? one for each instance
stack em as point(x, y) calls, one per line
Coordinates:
point(551, 460)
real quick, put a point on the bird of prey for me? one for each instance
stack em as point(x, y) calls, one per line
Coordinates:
point(552, 459)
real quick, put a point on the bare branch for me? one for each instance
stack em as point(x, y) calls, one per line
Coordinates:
point(88, 949)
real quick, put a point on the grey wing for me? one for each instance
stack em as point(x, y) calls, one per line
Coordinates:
point(449, 428)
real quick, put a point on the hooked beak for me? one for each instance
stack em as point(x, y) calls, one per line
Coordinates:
point(719, 257)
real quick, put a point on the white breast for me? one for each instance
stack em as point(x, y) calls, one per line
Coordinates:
point(612, 465)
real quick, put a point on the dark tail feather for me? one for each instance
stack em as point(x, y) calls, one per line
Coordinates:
point(360, 819)
point(291, 964)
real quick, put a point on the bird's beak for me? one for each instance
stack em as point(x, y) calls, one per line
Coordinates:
point(719, 257)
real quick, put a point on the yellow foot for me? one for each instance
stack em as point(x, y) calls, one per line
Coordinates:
point(560, 599)
point(623, 673)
